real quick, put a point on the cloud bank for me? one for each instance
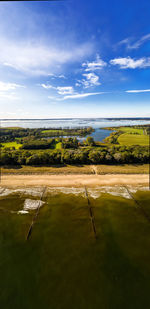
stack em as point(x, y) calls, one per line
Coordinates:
point(35, 58)
point(131, 63)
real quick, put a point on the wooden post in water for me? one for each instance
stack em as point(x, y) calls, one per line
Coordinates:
point(138, 204)
point(35, 216)
point(91, 213)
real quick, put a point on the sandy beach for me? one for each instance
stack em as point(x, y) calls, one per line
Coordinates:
point(15, 181)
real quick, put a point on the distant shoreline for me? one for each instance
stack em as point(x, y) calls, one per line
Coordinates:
point(88, 118)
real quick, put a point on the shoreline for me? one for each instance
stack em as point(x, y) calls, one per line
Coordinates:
point(80, 180)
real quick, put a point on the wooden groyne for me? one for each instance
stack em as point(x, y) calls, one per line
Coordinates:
point(138, 205)
point(91, 214)
point(2, 191)
point(36, 214)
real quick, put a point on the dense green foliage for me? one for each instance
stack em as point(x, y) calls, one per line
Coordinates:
point(65, 132)
point(27, 147)
point(9, 134)
point(99, 155)
point(38, 144)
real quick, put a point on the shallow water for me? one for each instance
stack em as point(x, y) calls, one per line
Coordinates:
point(62, 265)
point(72, 122)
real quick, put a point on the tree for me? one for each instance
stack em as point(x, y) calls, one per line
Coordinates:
point(118, 157)
point(108, 158)
point(90, 141)
point(94, 157)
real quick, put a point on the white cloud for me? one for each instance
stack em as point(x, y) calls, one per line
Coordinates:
point(95, 65)
point(136, 44)
point(129, 63)
point(91, 79)
point(35, 58)
point(46, 86)
point(80, 95)
point(60, 90)
point(9, 86)
point(65, 90)
point(61, 76)
point(6, 90)
point(138, 91)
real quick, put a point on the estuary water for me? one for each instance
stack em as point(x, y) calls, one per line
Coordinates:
point(97, 123)
point(65, 263)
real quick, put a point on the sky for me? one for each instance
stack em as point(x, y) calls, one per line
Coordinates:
point(74, 58)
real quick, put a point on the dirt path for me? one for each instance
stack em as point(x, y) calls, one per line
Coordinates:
point(72, 180)
point(94, 169)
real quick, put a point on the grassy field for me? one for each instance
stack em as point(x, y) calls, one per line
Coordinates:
point(132, 136)
point(59, 132)
point(11, 144)
point(133, 139)
point(58, 145)
point(131, 130)
point(123, 169)
point(63, 266)
point(53, 131)
point(84, 169)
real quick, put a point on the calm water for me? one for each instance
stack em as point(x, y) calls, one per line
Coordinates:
point(62, 265)
point(99, 135)
point(96, 123)
point(72, 122)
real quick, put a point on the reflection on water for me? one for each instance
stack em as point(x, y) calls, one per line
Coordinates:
point(99, 135)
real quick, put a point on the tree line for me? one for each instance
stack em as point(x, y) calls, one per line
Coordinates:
point(112, 155)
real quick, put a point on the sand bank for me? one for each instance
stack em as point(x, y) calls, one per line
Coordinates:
point(14, 181)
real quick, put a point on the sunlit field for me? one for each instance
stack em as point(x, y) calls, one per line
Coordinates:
point(11, 145)
point(63, 263)
point(133, 139)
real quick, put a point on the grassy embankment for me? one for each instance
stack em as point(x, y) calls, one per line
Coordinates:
point(84, 169)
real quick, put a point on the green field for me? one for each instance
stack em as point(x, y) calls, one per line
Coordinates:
point(59, 132)
point(53, 131)
point(133, 139)
point(131, 130)
point(11, 144)
point(63, 265)
point(132, 136)
point(58, 145)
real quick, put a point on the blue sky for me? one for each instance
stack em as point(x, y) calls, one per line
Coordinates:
point(75, 59)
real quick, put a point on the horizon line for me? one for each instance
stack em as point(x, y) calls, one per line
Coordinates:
point(64, 118)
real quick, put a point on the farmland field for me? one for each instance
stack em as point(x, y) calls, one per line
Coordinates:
point(11, 144)
point(53, 131)
point(131, 130)
point(62, 265)
point(133, 139)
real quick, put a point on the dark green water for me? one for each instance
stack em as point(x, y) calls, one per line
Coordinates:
point(62, 265)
